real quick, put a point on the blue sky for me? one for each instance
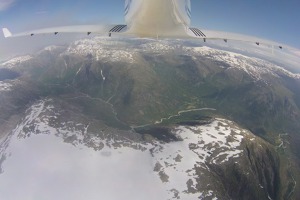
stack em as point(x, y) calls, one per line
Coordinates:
point(276, 20)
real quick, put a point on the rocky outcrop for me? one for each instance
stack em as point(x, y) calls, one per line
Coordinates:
point(256, 176)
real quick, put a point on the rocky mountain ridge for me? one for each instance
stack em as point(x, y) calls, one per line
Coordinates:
point(120, 51)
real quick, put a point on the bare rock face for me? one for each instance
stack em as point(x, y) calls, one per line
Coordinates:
point(255, 177)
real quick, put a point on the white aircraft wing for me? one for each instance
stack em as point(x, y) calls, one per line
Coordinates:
point(88, 29)
point(192, 33)
point(207, 35)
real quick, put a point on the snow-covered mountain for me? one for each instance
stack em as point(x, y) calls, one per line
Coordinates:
point(16, 61)
point(254, 67)
point(46, 148)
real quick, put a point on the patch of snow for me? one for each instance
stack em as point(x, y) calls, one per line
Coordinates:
point(157, 47)
point(44, 167)
point(78, 71)
point(15, 61)
point(103, 77)
point(51, 48)
point(269, 197)
point(4, 86)
point(100, 50)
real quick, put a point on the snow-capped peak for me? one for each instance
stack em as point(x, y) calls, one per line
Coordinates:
point(255, 67)
point(16, 61)
point(100, 49)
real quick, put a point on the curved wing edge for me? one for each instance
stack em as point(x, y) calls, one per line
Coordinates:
point(207, 35)
point(88, 29)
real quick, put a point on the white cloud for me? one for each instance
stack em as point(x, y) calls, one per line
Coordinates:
point(5, 4)
point(297, 52)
